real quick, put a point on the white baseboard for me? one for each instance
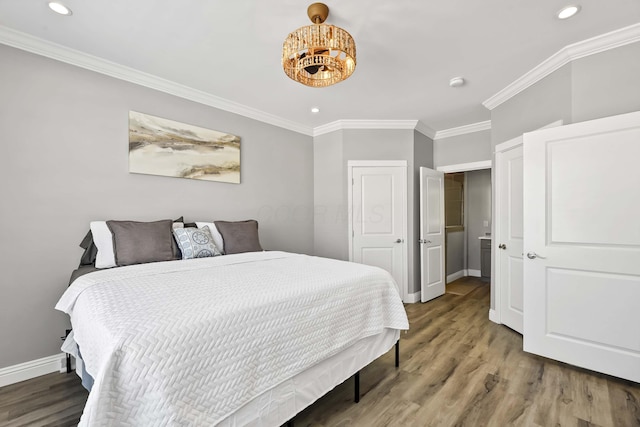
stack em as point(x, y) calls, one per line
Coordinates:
point(34, 368)
point(473, 273)
point(493, 316)
point(462, 273)
point(411, 298)
point(455, 276)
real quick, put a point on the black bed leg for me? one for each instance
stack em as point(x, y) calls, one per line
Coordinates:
point(356, 397)
point(66, 334)
point(398, 354)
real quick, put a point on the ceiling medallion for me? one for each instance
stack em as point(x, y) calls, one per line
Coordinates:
point(319, 55)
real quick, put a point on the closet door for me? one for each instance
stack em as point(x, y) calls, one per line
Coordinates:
point(378, 217)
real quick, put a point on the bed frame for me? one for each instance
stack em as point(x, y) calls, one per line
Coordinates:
point(289, 423)
point(356, 378)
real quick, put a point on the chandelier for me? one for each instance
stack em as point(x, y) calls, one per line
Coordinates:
point(319, 55)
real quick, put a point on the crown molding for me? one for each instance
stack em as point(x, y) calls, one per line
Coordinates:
point(462, 130)
point(374, 124)
point(29, 43)
point(327, 128)
point(425, 130)
point(611, 40)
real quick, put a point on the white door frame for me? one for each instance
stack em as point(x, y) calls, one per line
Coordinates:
point(495, 312)
point(404, 287)
point(465, 167)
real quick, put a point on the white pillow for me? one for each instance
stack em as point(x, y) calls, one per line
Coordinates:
point(217, 237)
point(103, 239)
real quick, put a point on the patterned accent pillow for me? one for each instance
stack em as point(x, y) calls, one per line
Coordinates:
point(196, 242)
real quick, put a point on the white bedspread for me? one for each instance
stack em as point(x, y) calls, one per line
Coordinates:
point(188, 342)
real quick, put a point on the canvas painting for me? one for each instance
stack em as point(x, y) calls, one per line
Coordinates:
point(164, 147)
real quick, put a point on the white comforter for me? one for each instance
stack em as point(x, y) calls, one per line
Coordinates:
point(189, 342)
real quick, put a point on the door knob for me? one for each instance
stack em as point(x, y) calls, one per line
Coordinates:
point(424, 241)
point(533, 255)
point(502, 246)
point(399, 240)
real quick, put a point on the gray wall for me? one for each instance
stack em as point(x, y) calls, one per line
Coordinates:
point(467, 148)
point(330, 237)
point(606, 84)
point(463, 247)
point(478, 210)
point(331, 153)
point(456, 252)
point(386, 144)
point(64, 163)
point(596, 86)
point(542, 103)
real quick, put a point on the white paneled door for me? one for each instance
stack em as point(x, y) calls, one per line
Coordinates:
point(432, 250)
point(582, 244)
point(378, 207)
point(509, 172)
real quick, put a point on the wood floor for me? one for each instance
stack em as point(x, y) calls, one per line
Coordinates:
point(456, 369)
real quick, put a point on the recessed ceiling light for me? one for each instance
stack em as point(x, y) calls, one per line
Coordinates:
point(59, 8)
point(315, 110)
point(456, 82)
point(568, 11)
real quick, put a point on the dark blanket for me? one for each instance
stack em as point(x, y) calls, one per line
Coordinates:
point(82, 270)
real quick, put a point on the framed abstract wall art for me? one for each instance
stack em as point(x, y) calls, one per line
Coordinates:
point(165, 147)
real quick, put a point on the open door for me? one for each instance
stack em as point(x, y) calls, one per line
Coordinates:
point(582, 244)
point(432, 269)
point(509, 192)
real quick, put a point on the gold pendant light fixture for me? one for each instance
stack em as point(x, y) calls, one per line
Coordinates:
point(319, 55)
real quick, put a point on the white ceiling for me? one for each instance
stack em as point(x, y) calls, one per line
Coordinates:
point(407, 50)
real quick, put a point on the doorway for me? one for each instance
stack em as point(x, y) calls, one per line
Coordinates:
point(468, 225)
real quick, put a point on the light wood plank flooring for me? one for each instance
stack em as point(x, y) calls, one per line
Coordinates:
point(456, 369)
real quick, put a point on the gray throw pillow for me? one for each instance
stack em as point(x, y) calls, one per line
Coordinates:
point(141, 242)
point(239, 236)
point(196, 242)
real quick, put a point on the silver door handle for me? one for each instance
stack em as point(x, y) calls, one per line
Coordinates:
point(424, 241)
point(533, 255)
point(502, 246)
point(399, 240)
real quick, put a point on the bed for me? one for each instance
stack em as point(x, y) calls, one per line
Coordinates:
point(242, 339)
